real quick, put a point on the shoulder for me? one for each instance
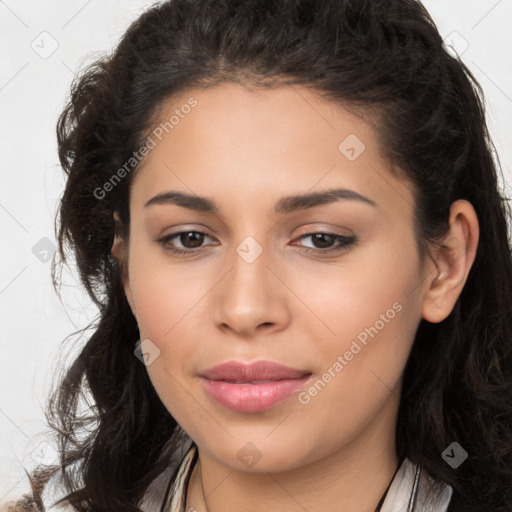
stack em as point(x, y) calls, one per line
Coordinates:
point(31, 497)
point(27, 503)
point(156, 493)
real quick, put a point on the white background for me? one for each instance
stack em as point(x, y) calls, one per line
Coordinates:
point(32, 94)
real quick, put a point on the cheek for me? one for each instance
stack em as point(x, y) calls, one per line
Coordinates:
point(165, 295)
point(169, 311)
point(370, 316)
point(165, 299)
point(371, 287)
point(360, 366)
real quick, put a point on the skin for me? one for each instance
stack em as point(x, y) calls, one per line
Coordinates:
point(247, 148)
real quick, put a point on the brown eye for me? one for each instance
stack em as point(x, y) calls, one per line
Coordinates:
point(322, 240)
point(191, 239)
point(184, 242)
point(327, 242)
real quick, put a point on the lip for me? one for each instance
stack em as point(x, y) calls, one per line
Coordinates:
point(252, 387)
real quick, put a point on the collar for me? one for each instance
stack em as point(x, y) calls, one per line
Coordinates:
point(413, 490)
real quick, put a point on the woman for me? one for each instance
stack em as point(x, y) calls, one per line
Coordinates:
point(288, 216)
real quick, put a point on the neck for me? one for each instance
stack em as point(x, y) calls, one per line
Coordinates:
point(353, 477)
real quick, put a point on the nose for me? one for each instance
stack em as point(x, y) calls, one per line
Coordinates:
point(251, 298)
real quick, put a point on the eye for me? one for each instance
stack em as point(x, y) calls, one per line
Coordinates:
point(189, 240)
point(327, 242)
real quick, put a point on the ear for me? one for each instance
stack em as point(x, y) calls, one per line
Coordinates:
point(453, 261)
point(120, 252)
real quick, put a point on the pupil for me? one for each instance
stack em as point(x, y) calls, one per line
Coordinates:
point(195, 238)
point(324, 239)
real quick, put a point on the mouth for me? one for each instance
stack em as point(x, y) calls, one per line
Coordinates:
point(252, 387)
point(250, 381)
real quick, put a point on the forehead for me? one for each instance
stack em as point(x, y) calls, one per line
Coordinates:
point(229, 113)
point(230, 139)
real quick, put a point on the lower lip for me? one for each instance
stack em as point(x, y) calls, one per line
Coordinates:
point(252, 397)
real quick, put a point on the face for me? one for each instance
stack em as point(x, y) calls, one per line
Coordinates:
point(330, 286)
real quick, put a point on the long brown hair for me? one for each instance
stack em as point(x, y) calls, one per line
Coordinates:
point(384, 56)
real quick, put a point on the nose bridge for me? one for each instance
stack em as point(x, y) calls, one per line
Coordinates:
point(248, 296)
point(247, 285)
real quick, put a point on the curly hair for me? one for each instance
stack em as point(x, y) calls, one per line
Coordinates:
point(382, 57)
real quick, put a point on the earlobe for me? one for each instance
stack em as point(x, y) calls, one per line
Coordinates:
point(453, 260)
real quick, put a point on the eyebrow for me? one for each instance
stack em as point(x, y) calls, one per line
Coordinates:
point(287, 204)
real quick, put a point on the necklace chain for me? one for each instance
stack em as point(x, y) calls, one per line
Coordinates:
point(202, 488)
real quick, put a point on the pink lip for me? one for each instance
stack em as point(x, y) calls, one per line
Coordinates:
point(242, 393)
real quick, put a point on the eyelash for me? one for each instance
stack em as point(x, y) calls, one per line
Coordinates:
point(344, 243)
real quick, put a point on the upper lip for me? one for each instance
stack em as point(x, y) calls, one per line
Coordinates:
point(259, 370)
